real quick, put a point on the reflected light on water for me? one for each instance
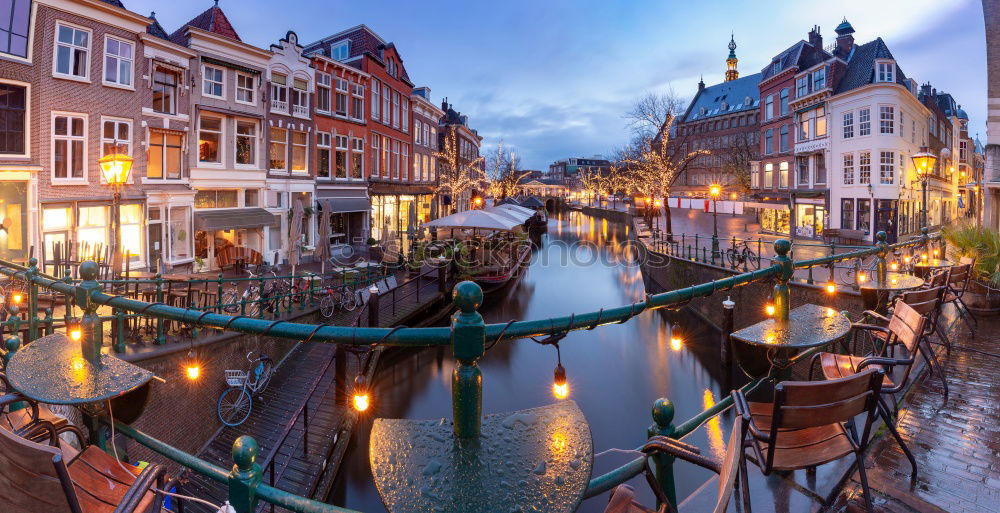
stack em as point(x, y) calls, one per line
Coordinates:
point(713, 427)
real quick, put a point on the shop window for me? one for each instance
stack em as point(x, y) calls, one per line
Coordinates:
point(181, 242)
point(92, 226)
point(246, 143)
point(847, 214)
point(130, 217)
point(56, 225)
point(864, 215)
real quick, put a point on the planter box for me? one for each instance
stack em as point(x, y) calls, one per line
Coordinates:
point(980, 300)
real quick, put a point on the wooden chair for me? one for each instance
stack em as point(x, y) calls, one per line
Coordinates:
point(623, 499)
point(958, 282)
point(906, 328)
point(810, 423)
point(25, 419)
point(50, 477)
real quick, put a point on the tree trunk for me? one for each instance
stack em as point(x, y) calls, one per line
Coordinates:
point(669, 226)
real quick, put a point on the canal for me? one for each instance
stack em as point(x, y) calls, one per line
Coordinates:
point(615, 372)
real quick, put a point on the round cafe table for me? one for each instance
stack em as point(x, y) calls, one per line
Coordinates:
point(922, 268)
point(772, 343)
point(877, 293)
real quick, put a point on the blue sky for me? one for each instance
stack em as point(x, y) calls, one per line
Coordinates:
point(553, 77)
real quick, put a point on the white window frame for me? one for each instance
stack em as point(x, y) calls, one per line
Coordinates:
point(887, 168)
point(865, 163)
point(298, 98)
point(222, 141)
point(769, 175)
point(324, 89)
point(256, 142)
point(886, 123)
point(395, 159)
point(324, 142)
point(885, 71)
point(29, 37)
point(275, 88)
point(357, 95)
point(287, 144)
point(415, 174)
point(205, 81)
point(252, 90)
point(342, 145)
point(376, 87)
point(69, 180)
point(176, 88)
point(342, 47)
point(357, 147)
point(404, 105)
point(847, 164)
point(163, 156)
point(342, 89)
point(126, 143)
point(848, 125)
point(55, 52)
point(404, 160)
point(864, 122)
point(131, 61)
point(387, 105)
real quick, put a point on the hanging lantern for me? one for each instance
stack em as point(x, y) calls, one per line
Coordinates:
point(361, 399)
point(831, 287)
point(560, 388)
point(192, 368)
point(676, 342)
point(116, 166)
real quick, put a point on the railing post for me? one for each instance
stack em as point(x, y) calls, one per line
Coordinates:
point(32, 298)
point(12, 344)
point(245, 476)
point(468, 342)
point(883, 250)
point(727, 328)
point(663, 464)
point(715, 247)
point(91, 326)
point(68, 299)
point(781, 300)
point(373, 307)
point(443, 279)
point(49, 322)
point(161, 338)
point(218, 298)
point(14, 321)
point(119, 330)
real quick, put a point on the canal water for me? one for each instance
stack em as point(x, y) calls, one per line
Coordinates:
point(615, 372)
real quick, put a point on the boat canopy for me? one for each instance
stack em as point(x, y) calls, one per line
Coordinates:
point(516, 208)
point(480, 219)
point(507, 213)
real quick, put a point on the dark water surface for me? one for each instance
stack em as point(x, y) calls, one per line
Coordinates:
point(615, 372)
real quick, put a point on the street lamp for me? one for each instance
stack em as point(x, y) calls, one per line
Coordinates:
point(924, 162)
point(715, 190)
point(116, 166)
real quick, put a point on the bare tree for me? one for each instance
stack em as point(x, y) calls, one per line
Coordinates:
point(503, 178)
point(736, 161)
point(457, 174)
point(651, 110)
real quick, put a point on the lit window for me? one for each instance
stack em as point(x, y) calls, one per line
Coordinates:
point(164, 159)
point(300, 144)
point(357, 157)
point(72, 52)
point(209, 137)
point(340, 162)
point(323, 154)
point(246, 143)
point(278, 151)
point(117, 62)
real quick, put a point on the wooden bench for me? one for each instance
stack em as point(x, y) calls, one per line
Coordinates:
point(234, 255)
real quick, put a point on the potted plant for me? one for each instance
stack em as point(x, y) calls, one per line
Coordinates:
point(199, 264)
point(374, 249)
point(983, 245)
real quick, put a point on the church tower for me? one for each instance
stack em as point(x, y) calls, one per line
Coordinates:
point(731, 72)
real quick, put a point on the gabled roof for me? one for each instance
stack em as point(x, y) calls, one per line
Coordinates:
point(212, 20)
point(861, 68)
point(724, 98)
point(155, 29)
point(363, 41)
point(801, 55)
point(116, 3)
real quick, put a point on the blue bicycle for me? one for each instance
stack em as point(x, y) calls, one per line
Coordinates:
point(236, 401)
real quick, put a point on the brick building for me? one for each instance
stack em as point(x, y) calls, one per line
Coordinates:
point(426, 117)
point(467, 142)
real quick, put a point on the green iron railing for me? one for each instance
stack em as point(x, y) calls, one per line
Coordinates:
point(468, 336)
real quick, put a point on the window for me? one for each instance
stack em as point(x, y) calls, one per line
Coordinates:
point(179, 231)
point(847, 214)
point(404, 159)
point(13, 119)
point(69, 146)
point(783, 138)
point(769, 107)
point(769, 141)
point(72, 52)
point(165, 90)
point(783, 174)
point(848, 125)
point(755, 175)
point(902, 124)
point(768, 175)
point(429, 141)
point(116, 132)
point(819, 114)
point(341, 51)
point(92, 226)
point(886, 119)
point(963, 150)
point(820, 169)
point(209, 136)
point(387, 105)
point(244, 88)
point(340, 163)
point(300, 147)
point(212, 81)
point(323, 92)
point(416, 131)
point(395, 160)
point(864, 122)
point(819, 79)
point(405, 106)
point(386, 156)
point(246, 143)
point(357, 157)
point(164, 159)
point(251, 197)
point(341, 97)
point(14, 27)
point(864, 215)
point(375, 102)
point(117, 62)
point(300, 97)
point(278, 149)
point(801, 86)
point(848, 169)
point(357, 101)
point(887, 166)
point(375, 155)
point(416, 167)
point(803, 165)
point(886, 71)
point(865, 167)
point(279, 92)
point(216, 198)
point(804, 126)
point(322, 154)
point(784, 101)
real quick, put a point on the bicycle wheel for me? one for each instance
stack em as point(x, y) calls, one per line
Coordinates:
point(230, 301)
point(326, 306)
point(234, 406)
point(348, 300)
point(265, 375)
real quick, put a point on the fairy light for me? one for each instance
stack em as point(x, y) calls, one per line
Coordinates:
point(560, 387)
point(769, 309)
point(862, 277)
point(831, 287)
point(75, 333)
point(361, 399)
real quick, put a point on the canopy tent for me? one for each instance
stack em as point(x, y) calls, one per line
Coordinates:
point(518, 217)
point(507, 201)
point(516, 208)
point(532, 202)
point(474, 219)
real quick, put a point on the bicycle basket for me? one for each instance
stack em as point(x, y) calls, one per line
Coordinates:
point(235, 378)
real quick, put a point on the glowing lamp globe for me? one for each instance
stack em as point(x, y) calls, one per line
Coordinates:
point(924, 161)
point(116, 167)
point(715, 190)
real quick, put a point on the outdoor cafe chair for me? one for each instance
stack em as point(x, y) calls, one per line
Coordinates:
point(810, 423)
point(906, 328)
point(958, 282)
point(49, 476)
point(729, 469)
point(25, 419)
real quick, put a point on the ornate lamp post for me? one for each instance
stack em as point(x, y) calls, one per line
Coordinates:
point(116, 166)
point(715, 190)
point(924, 162)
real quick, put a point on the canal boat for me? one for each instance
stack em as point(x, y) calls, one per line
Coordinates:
point(505, 268)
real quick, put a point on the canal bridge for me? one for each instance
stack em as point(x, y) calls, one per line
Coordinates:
point(244, 477)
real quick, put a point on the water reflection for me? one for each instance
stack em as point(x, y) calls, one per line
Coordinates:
point(615, 372)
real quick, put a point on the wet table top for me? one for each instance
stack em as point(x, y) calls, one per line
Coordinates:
point(807, 326)
point(529, 460)
point(53, 370)
point(934, 263)
point(894, 281)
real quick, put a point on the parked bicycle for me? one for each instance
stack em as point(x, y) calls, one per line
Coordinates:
point(236, 402)
point(337, 297)
point(740, 255)
point(232, 298)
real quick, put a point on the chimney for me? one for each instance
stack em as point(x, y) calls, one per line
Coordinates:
point(925, 90)
point(701, 83)
point(814, 38)
point(444, 103)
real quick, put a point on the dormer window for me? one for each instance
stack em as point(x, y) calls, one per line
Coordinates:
point(702, 111)
point(725, 106)
point(775, 67)
point(340, 51)
point(748, 101)
point(885, 71)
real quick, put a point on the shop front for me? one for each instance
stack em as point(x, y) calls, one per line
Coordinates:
point(14, 220)
point(80, 230)
point(810, 218)
point(774, 218)
point(397, 215)
point(348, 210)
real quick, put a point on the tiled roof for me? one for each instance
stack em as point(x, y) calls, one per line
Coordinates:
point(861, 67)
point(363, 40)
point(155, 29)
point(725, 98)
point(116, 3)
point(785, 59)
point(212, 20)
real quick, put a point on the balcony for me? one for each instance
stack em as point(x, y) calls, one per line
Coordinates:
point(300, 110)
point(279, 106)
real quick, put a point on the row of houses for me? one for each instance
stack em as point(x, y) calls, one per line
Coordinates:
point(227, 138)
point(822, 138)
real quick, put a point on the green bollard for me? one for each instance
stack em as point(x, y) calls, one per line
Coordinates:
point(14, 321)
point(245, 476)
point(119, 331)
point(91, 326)
point(663, 464)
point(781, 300)
point(468, 341)
point(32, 298)
point(883, 251)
